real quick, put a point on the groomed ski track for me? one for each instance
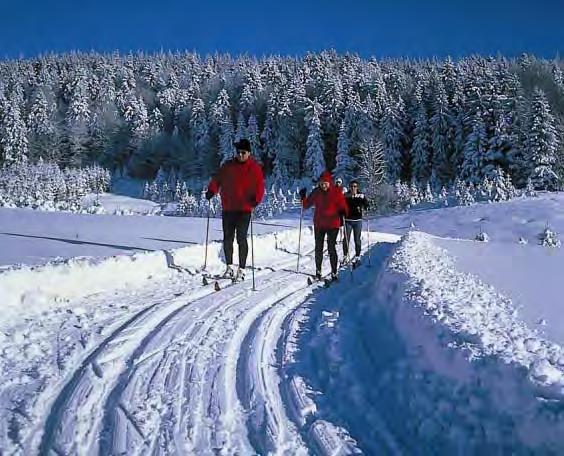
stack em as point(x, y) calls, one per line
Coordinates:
point(168, 380)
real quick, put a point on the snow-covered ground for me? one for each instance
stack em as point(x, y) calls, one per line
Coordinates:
point(35, 237)
point(437, 344)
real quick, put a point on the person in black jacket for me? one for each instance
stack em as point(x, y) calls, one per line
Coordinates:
point(356, 203)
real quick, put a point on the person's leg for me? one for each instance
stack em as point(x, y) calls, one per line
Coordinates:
point(347, 240)
point(242, 226)
point(319, 240)
point(228, 223)
point(332, 247)
point(357, 227)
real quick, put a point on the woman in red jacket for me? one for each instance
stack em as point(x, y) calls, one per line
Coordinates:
point(240, 182)
point(330, 209)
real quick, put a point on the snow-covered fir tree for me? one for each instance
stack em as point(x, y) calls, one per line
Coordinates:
point(421, 148)
point(345, 166)
point(13, 133)
point(392, 130)
point(314, 163)
point(474, 152)
point(542, 144)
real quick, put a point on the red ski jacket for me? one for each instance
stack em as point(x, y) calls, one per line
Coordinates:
point(330, 207)
point(241, 185)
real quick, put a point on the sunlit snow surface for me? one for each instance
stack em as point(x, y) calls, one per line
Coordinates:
point(437, 344)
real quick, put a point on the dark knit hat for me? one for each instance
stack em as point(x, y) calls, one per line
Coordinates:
point(243, 144)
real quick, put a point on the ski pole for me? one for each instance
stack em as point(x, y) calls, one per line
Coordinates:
point(252, 253)
point(368, 236)
point(207, 235)
point(300, 238)
point(346, 242)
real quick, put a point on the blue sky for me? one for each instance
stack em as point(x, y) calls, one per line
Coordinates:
point(289, 27)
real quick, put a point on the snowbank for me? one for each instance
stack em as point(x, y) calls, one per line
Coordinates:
point(460, 335)
point(28, 292)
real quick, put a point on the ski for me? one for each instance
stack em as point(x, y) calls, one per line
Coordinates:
point(313, 279)
point(329, 281)
point(213, 279)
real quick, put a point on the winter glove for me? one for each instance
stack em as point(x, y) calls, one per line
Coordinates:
point(209, 195)
point(303, 193)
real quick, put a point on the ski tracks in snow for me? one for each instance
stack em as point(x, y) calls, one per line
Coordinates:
point(168, 380)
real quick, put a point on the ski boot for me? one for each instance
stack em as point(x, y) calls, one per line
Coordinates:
point(240, 276)
point(229, 272)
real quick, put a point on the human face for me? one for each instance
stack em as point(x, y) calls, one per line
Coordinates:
point(354, 189)
point(242, 155)
point(324, 185)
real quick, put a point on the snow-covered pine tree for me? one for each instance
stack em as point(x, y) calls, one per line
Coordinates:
point(241, 131)
point(254, 137)
point(41, 128)
point(314, 163)
point(392, 133)
point(199, 129)
point(345, 166)
point(221, 116)
point(421, 149)
point(77, 119)
point(474, 153)
point(440, 141)
point(373, 169)
point(542, 144)
point(13, 134)
point(502, 188)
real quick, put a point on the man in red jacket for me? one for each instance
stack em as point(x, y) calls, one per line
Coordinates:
point(330, 208)
point(240, 182)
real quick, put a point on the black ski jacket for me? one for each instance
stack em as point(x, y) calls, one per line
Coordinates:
point(356, 204)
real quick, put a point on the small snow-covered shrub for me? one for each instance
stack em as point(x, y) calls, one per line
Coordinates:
point(482, 237)
point(549, 238)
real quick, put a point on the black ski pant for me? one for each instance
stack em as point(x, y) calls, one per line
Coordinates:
point(236, 222)
point(331, 247)
point(356, 227)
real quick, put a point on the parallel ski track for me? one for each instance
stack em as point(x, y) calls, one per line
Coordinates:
point(206, 412)
point(86, 390)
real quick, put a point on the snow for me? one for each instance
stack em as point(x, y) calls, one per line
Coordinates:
point(436, 343)
point(530, 275)
point(34, 237)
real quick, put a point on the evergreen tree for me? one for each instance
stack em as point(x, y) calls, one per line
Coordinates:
point(421, 149)
point(241, 131)
point(345, 165)
point(223, 125)
point(474, 153)
point(392, 138)
point(542, 144)
point(13, 134)
point(200, 140)
point(440, 128)
point(314, 163)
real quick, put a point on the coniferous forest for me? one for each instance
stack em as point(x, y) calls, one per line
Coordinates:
point(437, 122)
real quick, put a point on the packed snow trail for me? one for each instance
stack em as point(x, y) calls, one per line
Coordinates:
point(180, 356)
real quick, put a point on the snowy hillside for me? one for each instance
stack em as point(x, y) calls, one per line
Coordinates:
point(436, 344)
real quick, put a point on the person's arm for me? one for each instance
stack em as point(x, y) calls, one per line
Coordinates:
point(215, 183)
point(309, 201)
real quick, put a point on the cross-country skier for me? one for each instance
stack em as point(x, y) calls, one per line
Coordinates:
point(356, 203)
point(330, 208)
point(240, 182)
point(339, 185)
